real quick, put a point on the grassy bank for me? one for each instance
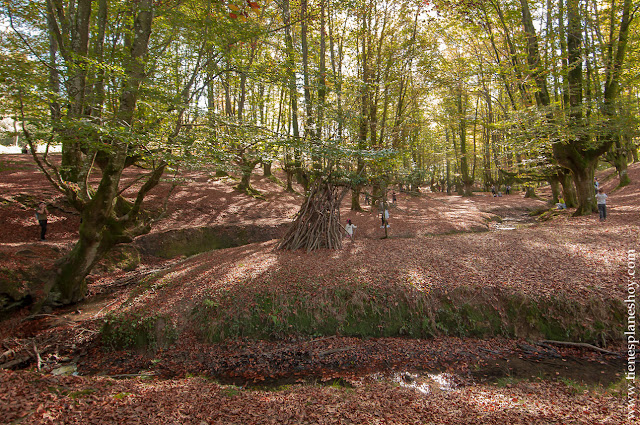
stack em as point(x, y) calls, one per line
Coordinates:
point(363, 311)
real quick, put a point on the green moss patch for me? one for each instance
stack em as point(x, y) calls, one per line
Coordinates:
point(137, 331)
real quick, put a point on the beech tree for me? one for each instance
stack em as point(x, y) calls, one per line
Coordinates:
point(102, 60)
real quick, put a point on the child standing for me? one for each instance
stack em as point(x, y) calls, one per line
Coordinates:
point(350, 228)
point(601, 198)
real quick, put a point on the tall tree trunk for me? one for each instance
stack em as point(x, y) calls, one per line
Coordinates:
point(293, 91)
point(322, 83)
point(100, 230)
point(308, 129)
point(73, 49)
point(363, 120)
point(467, 178)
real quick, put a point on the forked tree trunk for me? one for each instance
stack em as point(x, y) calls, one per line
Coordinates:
point(246, 168)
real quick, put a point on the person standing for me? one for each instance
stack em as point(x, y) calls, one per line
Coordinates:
point(601, 198)
point(350, 228)
point(384, 216)
point(41, 216)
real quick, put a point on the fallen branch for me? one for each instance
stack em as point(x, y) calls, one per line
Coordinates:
point(333, 351)
point(132, 375)
point(579, 344)
point(16, 362)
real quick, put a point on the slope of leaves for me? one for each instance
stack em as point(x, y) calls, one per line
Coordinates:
point(437, 243)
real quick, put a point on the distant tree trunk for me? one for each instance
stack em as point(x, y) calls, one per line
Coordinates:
point(467, 178)
point(554, 183)
point(355, 191)
point(296, 162)
point(448, 179)
point(530, 192)
point(266, 169)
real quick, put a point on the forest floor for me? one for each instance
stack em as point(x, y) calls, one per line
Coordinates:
point(436, 242)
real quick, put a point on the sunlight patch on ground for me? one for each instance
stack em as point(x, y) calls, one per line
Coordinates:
point(488, 401)
point(627, 208)
point(418, 280)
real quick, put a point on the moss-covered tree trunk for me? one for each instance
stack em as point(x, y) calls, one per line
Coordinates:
point(107, 219)
point(246, 168)
point(582, 168)
point(620, 160)
point(554, 183)
point(70, 285)
point(568, 188)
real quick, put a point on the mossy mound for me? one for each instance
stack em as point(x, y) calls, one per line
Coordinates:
point(135, 331)
point(352, 309)
point(364, 312)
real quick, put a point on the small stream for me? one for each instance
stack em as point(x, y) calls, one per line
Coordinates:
point(516, 368)
point(499, 371)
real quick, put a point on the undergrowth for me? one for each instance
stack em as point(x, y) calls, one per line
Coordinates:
point(137, 331)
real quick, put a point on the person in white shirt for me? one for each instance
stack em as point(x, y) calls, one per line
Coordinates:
point(601, 198)
point(350, 228)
